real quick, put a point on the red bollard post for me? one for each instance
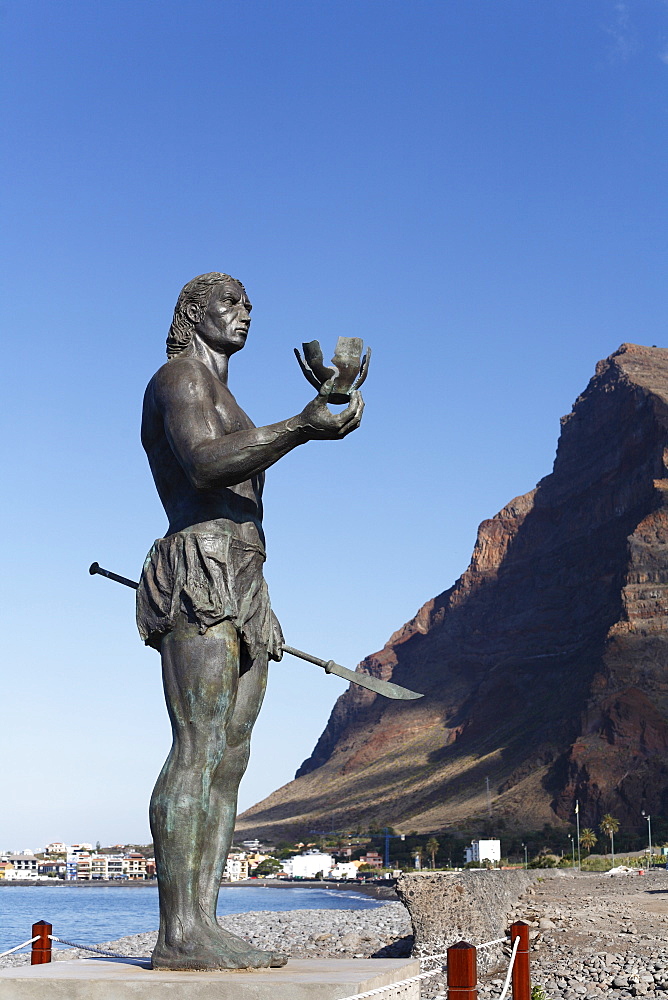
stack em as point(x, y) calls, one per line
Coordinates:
point(521, 975)
point(462, 972)
point(41, 948)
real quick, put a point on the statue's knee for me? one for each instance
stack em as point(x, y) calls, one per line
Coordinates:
point(235, 760)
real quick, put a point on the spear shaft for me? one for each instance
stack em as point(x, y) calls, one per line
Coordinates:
point(375, 684)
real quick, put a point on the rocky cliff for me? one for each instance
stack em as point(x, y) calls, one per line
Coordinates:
point(544, 666)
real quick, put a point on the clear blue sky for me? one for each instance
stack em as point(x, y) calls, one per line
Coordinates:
point(476, 188)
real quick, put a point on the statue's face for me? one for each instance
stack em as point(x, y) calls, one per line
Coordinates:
point(224, 325)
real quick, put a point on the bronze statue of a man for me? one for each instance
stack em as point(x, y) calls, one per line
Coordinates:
point(203, 603)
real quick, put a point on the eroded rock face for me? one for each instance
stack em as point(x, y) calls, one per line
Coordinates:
point(544, 666)
point(472, 906)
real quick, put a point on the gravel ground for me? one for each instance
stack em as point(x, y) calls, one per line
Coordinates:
point(593, 936)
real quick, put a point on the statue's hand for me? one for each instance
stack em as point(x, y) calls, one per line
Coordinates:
point(319, 423)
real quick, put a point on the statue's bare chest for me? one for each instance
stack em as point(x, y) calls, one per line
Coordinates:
point(230, 415)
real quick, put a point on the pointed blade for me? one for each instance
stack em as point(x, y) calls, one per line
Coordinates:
point(386, 688)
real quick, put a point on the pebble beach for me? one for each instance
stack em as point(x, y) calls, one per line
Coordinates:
point(592, 936)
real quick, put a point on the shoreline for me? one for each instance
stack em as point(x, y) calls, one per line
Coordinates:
point(381, 892)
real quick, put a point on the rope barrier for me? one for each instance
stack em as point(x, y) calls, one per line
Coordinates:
point(88, 947)
point(393, 986)
point(19, 946)
point(488, 944)
point(444, 954)
point(425, 975)
point(516, 944)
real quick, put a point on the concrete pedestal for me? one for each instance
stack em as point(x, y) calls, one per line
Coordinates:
point(132, 979)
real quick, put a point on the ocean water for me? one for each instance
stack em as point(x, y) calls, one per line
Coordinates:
point(91, 914)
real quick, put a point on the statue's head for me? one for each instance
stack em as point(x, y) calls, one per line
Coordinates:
point(190, 308)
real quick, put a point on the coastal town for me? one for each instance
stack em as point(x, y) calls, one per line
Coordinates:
point(82, 862)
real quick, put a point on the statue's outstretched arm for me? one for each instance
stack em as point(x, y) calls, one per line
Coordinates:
point(213, 457)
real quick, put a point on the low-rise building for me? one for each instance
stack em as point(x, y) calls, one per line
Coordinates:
point(84, 866)
point(309, 865)
point(345, 869)
point(135, 866)
point(372, 858)
point(56, 847)
point(52, 869)
point(481, 851)
point(236, 867)
point(24, 866)
point(115, 866)
point(74, 854)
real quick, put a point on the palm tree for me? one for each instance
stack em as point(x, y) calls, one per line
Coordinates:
point(588, 839)
point(432, 847)
point(609, 826)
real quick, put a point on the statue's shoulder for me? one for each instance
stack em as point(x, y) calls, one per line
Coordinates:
point(181, 377)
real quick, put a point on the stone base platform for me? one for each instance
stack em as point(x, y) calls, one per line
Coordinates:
point(133, 979)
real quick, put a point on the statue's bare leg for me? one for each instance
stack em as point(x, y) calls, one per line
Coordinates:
point(212, 710)
point(226, 780)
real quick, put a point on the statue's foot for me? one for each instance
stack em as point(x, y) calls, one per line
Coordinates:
point(209, 952)
point(201, 961)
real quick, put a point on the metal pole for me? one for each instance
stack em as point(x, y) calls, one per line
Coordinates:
point(577, 818)
point(41, 948)
point(521, 974)
point(462, 972)
point(387, 848)
point(526, 860)
point(572, 848)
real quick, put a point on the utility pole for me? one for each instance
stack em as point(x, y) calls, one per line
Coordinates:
point(526, 855)
point(649, 835)
point(577, 820)
point(489, 799)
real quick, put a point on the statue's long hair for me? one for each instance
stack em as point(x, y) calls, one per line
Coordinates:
point(198, 291)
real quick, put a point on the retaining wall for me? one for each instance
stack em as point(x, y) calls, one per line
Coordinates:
point(473, 906)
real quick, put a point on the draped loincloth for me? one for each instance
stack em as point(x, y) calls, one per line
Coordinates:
point(207, 576)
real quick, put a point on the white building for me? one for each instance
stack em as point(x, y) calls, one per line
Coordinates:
point(236, 867)
point(484, 850)
point(56, 848)
point(135, 866)
point(344, 869)
point(24, 866)
point(309, 865)
point(107, 866)
point(115, 866)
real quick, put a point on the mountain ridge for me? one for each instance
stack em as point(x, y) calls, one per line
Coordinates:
point(543, 665)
